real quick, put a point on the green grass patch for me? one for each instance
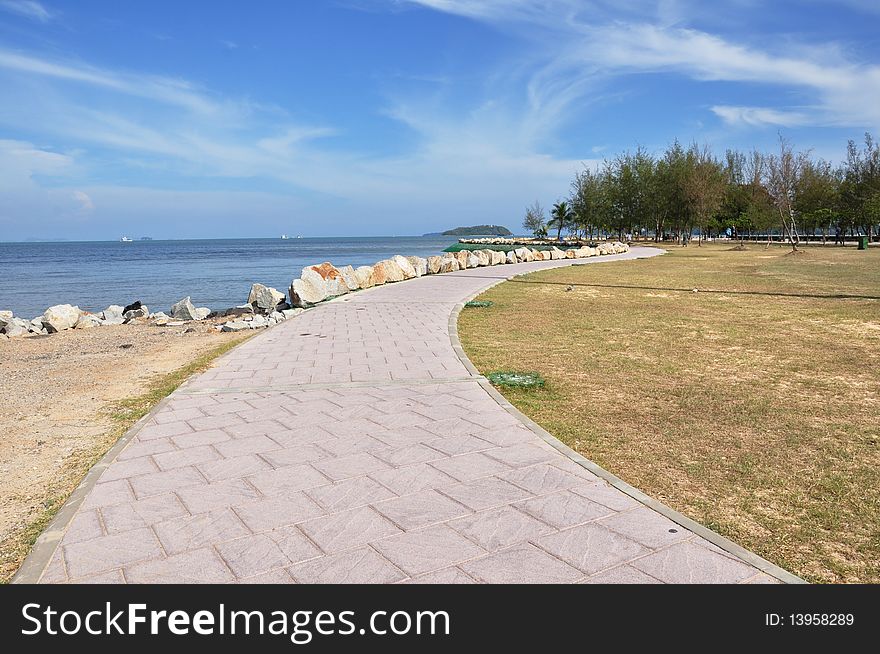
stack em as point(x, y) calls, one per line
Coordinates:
point(511, 379)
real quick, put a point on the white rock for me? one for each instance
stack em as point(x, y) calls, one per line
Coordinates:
point(393, 271)
point(524, 254)
point(350, 278)
point(87, 321)
point(364, 276)
point(60, 317)
point(433, 265)
point(130, 315)
point(235, 326)
point(202, 313)
point(484, 257)
point(5, 318)
point(405, 266)
point(309, 289)
point(291, 313)
point(16, 327)
point(449, 263)
point(264, 298)
point(112, 315)
point(510, 257)
point(473, 260)
point(419, 264)
point(183, 310)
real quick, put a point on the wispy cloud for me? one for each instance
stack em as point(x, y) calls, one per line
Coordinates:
point(160, 89)
point(27, 8)
point(846, 91)
point(759, 116)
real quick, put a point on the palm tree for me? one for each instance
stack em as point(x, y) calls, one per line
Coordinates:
point(560, 217)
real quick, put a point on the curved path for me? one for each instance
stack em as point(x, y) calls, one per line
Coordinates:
point(356, 443)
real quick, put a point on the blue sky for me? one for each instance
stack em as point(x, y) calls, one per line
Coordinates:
point(393, 117)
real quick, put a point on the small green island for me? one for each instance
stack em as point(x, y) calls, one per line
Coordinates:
point(479, 230)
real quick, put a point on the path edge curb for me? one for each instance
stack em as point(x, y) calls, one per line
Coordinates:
point(715, 538)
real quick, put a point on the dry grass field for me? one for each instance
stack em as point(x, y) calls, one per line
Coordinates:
point(741, 388)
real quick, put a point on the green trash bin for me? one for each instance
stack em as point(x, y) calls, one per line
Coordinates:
point(863, 242)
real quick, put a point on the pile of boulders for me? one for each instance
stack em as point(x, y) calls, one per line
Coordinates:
point(62, 317)
point(267, 306)
point(325, 281)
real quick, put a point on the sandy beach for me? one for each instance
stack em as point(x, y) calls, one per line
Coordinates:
point(59, 395)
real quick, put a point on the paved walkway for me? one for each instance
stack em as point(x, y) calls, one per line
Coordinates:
point(352, 444)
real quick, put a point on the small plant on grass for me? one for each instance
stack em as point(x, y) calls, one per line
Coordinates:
point(512, 379)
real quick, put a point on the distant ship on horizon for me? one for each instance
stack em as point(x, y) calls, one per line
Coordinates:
point(284, 237)
point(125, 239)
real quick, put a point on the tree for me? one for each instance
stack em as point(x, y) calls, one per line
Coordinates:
point(534, 221)
point(783, 174)
point(561, 217)
point(817, 197)
point(631, 190)
point(704, 186)
point(589, 201)
point(673, 211)
point(860, 187)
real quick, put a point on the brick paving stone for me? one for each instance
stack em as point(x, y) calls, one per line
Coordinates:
point(591, 548)
point(85, 525)
point(445, 576)
point(203, 530)
point(108, 552)
point(143, 513)
point(417, 552)
point(541, 478)
point(351, 445)
point(499, 528)
point(289, 478)
point(237, 467)
point(468, 467)
point(647, 527)
point(421, 509)
point(201, 566)
point(189, 456)
point(523, 564)
point(347, 529)
point(412, 479)
point(218, 495)
point(362, 566)
point(624, 574)
point(252, 555)
point(349, 494)
point(278, 511)
point(352, 465)
point(130, 468)
point(485, 493)
point(690, 563)
point(157, 483)
point(563, 509)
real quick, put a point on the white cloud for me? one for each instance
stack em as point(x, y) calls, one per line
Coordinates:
point(759, 116)
point(28, 9)
point(86, 204)
point(846, 91)
point(166, 90)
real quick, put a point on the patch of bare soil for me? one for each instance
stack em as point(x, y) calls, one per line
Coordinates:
point(55, 414)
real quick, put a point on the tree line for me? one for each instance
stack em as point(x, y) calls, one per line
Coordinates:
point(743, 194)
